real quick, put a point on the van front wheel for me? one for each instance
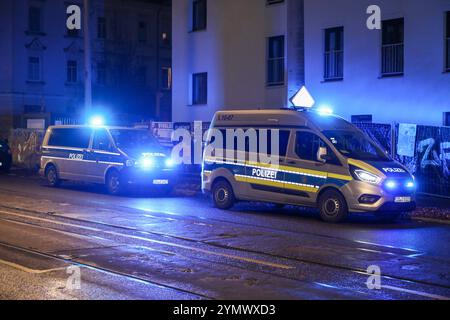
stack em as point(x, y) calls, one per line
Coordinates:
point(333, 207)
point(113, 183)
point(52, 176)
point(223, 195)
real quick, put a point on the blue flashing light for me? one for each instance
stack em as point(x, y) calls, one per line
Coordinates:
point(325, 111)
point(97, 121)
point(391, 185)
point(410, 185)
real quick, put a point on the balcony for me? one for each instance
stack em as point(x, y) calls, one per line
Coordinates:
point(334, 65)
point(392, 60)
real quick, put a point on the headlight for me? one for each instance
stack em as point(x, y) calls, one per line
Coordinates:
point(130, 163)
point(147, 163)
point(365, 176)
point(170, 163)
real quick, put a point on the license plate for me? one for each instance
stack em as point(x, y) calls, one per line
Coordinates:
point(402, 199)
point(160, 182)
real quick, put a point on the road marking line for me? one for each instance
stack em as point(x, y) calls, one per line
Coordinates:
point(418, 293)
point(28, 270)
point(230, 256)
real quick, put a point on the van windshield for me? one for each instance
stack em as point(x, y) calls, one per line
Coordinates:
point(354, 144)
point(134, 139)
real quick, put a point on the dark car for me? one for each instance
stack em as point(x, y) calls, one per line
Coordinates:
point(5, 156)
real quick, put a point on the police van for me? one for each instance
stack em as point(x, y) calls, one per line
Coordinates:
point(114, 156)
point(323, 161)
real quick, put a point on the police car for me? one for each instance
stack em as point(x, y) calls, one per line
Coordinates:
point(5, 156)
point(114, 156)
point(316, 160)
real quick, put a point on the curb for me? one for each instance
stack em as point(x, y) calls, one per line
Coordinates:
point(431, 220)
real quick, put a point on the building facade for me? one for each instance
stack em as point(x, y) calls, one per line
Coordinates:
point(232, 54)
point(42, 69)
point(399, 73)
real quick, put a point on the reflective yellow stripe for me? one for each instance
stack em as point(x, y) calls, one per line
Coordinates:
point(278, 184)
point(339, 177)
point(365, 166)
point(314, 173)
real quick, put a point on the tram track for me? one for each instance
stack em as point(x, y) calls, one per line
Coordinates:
point(358, 271)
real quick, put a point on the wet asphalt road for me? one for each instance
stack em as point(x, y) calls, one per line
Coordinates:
point(77, 242)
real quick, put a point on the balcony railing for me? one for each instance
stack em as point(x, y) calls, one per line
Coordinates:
point(392, 61)
point(334, 65)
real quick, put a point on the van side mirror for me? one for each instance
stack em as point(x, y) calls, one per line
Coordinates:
point(322, 155)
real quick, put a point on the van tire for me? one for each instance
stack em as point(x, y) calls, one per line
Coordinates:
point(332, 207)
point(223, 195)
point(52, 176)
point(113, 183)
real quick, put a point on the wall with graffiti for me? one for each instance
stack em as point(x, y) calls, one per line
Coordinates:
point(26, 148)
point(424, 150)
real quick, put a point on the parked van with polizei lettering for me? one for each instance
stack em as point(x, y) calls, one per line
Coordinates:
point(304, 158)
point(117, 157)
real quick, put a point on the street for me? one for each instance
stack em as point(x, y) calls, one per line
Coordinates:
point(180, 247)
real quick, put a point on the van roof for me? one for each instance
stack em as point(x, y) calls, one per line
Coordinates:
point(280, 118)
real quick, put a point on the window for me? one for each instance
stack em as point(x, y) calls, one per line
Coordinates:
point(101, 28)
point(447, 119)
point(282, 146)
point(447, 42)
point(334, 54)
point(392, 62)
point(142, 32)
point(270, 2)
point(275, 61)
point(72, 71)
point(307, 145)
point(72, 138)
point(34, 69)
point(199, 15)
point(34, 19)
point(166, 78)
point(166, 30)
point(102, 141)
point(199, 88)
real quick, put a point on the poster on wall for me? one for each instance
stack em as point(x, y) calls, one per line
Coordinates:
point(406, 139)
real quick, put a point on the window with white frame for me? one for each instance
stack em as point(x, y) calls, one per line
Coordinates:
point(72, 71)
point(392, 52)
point(275, 61)
point(334, 54)
point(34, 69)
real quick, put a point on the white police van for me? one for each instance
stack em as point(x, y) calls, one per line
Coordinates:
point(323, 161)
point(114, 156)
